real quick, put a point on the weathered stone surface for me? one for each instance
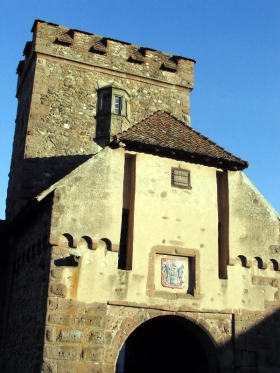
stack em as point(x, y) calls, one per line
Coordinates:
point(58, 289)
point(59, 318)
point(95, 321)
point(95, 338)
point(62, 353)
point(93, 354)
point(71, 336)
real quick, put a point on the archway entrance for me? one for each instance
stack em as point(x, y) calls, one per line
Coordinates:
point(167, 344)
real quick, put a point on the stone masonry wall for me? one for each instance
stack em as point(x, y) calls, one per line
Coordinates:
point(87, 337)
point(23, 320)
point(18, 188)
point(58, 131)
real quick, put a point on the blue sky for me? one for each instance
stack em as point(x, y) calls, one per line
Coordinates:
point(236, 98)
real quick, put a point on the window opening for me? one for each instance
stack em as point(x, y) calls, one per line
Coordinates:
point(118, 105)
point(180, 178)
point(106, 104)
point(126, 106)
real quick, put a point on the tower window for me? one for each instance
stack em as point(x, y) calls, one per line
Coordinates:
point(180, 178)
point(118, 105)
point(112, 113)
point(106, 104)
point(113, 100)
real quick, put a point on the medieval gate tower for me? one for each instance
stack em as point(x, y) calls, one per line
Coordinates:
point(132, 243)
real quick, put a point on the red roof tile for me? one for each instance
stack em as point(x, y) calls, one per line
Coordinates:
point(164, 132)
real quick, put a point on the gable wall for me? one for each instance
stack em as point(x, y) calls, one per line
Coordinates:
point(102, 305)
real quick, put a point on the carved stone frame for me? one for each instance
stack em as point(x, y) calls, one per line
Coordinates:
point(168, 293)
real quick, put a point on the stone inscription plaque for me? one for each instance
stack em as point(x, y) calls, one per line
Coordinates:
point(172, 273)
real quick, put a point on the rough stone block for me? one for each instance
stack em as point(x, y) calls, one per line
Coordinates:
point(93, 353)
point(119, 339)
point(110, 356)
point(43, 70)
point(39, 88)
point(50, 334)
point(90, 368)
point(72, 336)
point(52, 303)
point(108, 338)
point(59, 319)
point(62, 353)
point(243, 327)
point(58, 289)
point(95, 338)
point(95, 321)
point(128, 325)
point(56, 274)
point(47, 367)
point(109, 368)
point(67, 367)
point(96, 308)
point(141, 317)
point(39, 109)
point(111, 322)
point(71, 305)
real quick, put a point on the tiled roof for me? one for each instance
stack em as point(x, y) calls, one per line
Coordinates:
point(165, 133)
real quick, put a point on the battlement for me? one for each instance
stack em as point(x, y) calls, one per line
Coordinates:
point(107, 53)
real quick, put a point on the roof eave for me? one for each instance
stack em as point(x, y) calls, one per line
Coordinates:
point(182, 155)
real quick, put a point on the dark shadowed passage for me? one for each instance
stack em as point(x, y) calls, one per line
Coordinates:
point(165, 344)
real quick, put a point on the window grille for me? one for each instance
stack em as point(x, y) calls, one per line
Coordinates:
point(180, 178)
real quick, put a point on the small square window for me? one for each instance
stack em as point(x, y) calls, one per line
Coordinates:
point(180, 178)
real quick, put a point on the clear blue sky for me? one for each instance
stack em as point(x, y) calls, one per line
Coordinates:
point(236, 43)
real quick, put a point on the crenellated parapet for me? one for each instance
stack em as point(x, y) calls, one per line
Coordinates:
point(107, 53)
point(258, 262)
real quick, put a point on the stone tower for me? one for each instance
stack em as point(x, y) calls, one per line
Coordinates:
point(75, 91)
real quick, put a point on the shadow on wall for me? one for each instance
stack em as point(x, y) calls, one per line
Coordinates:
point(24, 289)
point(38, 174)
point(257, 340)
point(174, 343)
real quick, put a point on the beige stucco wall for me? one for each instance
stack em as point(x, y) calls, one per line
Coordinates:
point(253, 221)
point(88, 202)
point(168, 221)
